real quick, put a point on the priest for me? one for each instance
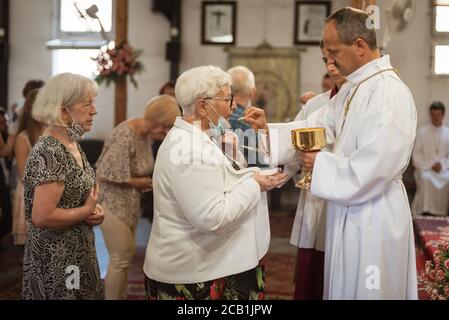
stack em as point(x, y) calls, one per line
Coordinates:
point(431, 161)
point(309, 226)
point(369, 251)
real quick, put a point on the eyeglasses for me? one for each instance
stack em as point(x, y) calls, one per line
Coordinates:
point(230, 99)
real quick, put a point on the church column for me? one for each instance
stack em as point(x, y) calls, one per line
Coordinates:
point(121, 35)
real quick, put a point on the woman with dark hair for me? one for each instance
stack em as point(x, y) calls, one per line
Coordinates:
point(29, 131)
point(168, 88)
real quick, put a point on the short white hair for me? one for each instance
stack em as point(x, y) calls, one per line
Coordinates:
point(63, 90)
point(199, 82)
point(243, 80)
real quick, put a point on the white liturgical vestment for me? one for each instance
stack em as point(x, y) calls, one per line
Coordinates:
point(309, 226)
point(432, 194)
point(370, 250)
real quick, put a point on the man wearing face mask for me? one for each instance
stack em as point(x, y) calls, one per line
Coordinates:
point(210, 228)
point(221, 133)
point(244, 90)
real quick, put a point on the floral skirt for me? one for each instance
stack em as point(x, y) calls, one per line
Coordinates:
point(248, 285)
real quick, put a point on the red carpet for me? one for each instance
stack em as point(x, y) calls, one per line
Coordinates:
point(420, 267)
point(430, 231)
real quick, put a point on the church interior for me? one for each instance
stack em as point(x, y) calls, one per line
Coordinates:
point(281, 42)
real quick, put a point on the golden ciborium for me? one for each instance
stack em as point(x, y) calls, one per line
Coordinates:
point(307, 140)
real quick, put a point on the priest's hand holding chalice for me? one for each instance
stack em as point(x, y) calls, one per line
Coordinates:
point(308, 141)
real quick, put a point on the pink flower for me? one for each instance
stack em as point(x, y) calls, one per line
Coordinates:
point(121, 60)
point(432, 275)
point(434, 294)
point(437, 261)
point(446, 291)
point(429, 266)
point(436, 253)
point(442, 298)
point(440, 275)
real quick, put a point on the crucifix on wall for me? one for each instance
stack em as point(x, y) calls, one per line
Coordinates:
point(218, 14)
point(218, 22)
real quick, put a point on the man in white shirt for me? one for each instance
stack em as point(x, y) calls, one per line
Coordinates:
point(431, 161)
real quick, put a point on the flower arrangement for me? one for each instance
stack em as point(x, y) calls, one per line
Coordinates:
point(114, 61)
point(435, 278)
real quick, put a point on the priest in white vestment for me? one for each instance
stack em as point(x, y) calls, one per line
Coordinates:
point(370, 250)
point(431, 162)
point(309, 226)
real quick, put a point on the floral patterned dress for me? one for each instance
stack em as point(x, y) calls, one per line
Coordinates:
point(248, 285)
point(59, 264)
point(124, 156)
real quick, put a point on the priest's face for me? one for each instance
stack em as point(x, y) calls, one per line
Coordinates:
point(345, 58)
point(335, 76)
point(437, 117)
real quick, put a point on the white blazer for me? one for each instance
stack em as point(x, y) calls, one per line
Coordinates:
point(210, 221)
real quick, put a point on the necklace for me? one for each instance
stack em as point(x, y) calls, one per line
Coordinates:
point(437, 144)
point(348, 104)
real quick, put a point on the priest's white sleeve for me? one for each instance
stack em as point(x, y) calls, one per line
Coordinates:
point(280, 142)
point(445, 161)
point(384, 142)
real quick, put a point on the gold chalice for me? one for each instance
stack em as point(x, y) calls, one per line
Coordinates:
point(307, 140)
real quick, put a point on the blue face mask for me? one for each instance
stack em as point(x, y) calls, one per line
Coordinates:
point(217, 130)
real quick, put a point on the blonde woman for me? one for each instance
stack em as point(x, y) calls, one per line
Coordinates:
point(60, 261)
point(124, 171)
point(29, 131)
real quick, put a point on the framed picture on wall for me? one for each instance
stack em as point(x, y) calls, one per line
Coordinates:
point(309, 21)
point(218, 22)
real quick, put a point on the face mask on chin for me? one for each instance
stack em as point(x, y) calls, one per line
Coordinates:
point(217, 130)
point(74, 130)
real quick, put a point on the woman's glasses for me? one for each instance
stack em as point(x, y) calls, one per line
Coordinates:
point(230, 99)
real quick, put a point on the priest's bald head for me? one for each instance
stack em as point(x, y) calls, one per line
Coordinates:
point(349, 42)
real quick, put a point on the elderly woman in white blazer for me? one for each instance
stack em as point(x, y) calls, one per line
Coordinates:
point(210, 227)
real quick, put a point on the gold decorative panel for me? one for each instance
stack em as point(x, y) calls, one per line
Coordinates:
point(277, 78)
